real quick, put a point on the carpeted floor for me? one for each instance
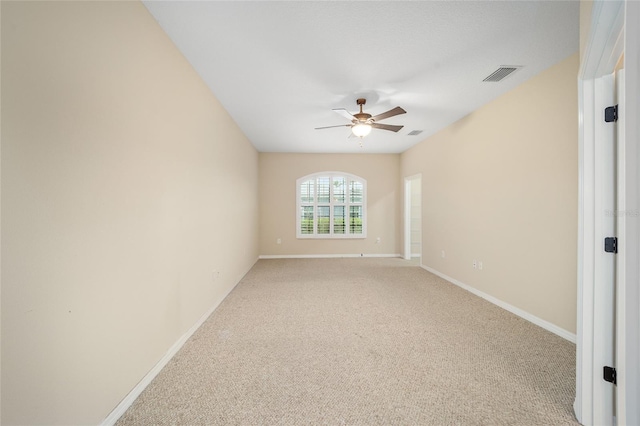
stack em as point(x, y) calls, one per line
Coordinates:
point(360, 342)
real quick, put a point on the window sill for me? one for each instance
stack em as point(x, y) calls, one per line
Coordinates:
point(333, 237)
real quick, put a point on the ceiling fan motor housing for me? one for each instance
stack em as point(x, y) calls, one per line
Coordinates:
point(362, 116)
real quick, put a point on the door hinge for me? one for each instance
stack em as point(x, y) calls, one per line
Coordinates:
point(611, 245)
point(611, 114)
point(610, 375)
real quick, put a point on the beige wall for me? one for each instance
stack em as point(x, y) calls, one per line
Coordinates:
point(278, 174)
point(126, 188)
point(500, 186)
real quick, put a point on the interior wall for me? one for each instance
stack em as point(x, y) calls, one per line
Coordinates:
point(500, 187)
point(278, 175)
point(129, 205)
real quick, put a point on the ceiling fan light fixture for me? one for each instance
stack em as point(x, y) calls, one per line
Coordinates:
point(361, 129)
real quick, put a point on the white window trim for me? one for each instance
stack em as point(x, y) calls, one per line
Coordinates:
point(331, 235)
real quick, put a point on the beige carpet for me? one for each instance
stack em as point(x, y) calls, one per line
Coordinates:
point(360, 342)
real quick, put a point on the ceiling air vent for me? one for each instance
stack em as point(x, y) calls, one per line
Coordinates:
point(502, 72)
point(414, 132)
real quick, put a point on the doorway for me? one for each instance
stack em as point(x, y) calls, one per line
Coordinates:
point(413, 218)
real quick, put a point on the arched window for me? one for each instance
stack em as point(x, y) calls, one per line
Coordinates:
point(331, 205)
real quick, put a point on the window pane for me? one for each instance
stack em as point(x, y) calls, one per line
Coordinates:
point(339, 189)
point(355, 191)
point(339, 219)
point(323, 189)
point(323, 219)
point(306, 220)
point(355, 219)
point(306, 191)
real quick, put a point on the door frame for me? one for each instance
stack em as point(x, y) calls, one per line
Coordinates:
point(628, 315)
point(607, 41)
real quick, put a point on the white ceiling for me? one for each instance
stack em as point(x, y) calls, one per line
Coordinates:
point(280, 67)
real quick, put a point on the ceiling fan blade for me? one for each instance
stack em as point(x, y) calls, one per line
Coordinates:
point(343, 112)
point(329, 127)
point(390, 113)
point(386, 127)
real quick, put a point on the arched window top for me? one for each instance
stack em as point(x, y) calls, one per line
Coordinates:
point(313, 175)
point(331, 205)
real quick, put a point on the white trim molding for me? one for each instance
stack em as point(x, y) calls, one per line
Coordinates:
point(325, 256)
point(507, 307)
point(628, 320)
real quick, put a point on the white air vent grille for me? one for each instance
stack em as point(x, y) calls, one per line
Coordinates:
point(501, 73)
point(414, 132)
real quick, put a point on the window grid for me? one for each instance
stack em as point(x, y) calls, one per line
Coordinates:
point(331, 205)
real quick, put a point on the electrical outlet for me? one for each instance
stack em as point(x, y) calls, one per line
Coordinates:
point(480, 265)
point(475, 264)
point(442, 254)
point(279, 241)
point(378, 240)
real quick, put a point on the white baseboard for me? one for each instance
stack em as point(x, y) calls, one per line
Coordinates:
point(124, 405)
point(517, 311)
point(323, 256)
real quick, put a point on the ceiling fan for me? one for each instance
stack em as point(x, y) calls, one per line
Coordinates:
point(362, 123)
